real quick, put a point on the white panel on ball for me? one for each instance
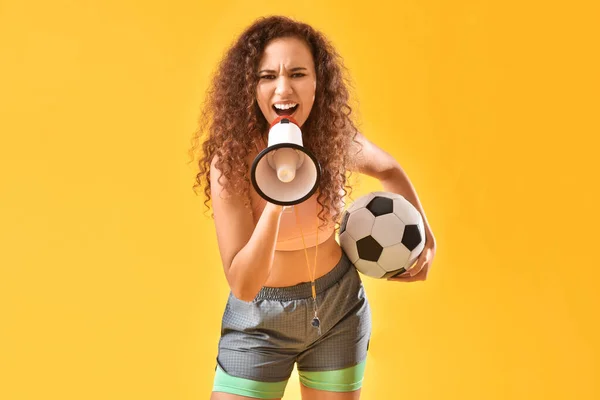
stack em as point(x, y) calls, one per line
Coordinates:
point(388, 230)
point(360, 223)
point(361, 202)
point(349, 246)
point(369, 268)
point(394, 257)
point(406, 211)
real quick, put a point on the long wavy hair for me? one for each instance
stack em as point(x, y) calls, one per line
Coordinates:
point(231, 121)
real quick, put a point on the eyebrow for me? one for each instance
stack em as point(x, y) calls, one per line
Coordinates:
point(273, 71)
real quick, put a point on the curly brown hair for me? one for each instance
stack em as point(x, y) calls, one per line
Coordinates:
point(232, 120)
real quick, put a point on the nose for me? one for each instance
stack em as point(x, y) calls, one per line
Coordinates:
point(283, 86)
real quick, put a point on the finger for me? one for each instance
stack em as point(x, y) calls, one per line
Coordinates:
point(400, 277)
point(406, 279)
point(421, 276)
point(416, 269)
point(404, 275)
point(425, 271)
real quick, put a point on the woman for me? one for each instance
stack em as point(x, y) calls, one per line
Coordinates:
point(282, 309)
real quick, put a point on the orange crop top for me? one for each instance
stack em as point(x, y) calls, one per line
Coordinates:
point(290, 235)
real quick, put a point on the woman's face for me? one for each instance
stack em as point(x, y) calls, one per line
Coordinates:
point(287, 80)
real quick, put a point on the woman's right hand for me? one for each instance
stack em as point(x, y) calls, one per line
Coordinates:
point(273, 208)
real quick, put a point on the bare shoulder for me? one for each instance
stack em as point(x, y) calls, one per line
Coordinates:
point(233, 222)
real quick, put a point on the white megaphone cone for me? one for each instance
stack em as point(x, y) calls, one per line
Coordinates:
point(285, 173)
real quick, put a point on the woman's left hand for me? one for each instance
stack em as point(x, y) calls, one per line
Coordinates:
point(422, 266)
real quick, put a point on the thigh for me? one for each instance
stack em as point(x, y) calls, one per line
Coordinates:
point(314, 394)
point(229, 396)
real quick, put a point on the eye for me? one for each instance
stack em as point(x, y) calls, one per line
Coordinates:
point(267, 77)
point(298, 75)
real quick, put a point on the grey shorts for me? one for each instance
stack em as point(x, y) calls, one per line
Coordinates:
point(262, 339)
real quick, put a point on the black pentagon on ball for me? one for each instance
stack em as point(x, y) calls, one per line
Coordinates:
point(411, 237)
point(368, 249)
point(380, 206)
point(344, 221)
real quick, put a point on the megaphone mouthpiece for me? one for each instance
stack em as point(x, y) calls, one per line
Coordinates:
point(285, 161)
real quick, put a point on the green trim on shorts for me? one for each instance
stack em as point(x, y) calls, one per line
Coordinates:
point(247, 387)
point(341, 380)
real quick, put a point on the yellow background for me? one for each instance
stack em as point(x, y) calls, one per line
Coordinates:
point(110, 278)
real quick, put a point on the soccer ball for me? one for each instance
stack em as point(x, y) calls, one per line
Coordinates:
point(382, 234)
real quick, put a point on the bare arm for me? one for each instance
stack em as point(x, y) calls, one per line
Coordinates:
point(246, 250)
point(377, 163)
point(252, 264)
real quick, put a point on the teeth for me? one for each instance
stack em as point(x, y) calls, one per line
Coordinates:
point(285, 106)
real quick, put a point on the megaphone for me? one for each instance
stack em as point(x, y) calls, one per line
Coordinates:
point(285, 173)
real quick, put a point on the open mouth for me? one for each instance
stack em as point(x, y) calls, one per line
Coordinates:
point(287, 112)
